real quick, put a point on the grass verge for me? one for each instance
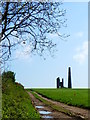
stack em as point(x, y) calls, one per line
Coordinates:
point(16, 103)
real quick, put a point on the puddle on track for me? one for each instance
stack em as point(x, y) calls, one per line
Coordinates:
point(47, 116)
point(39, 107)
point(44, 112)
point(47, 112)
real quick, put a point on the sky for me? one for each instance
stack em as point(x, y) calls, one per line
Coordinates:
point(35, 72)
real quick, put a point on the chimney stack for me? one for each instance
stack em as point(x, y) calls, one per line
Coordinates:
point(58, 82)
point(69, 78)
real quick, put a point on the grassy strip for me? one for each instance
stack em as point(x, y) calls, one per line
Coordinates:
point(55, 107)
point(75, 97)
point(16, 103)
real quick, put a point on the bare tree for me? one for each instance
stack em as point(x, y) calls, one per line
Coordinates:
point(30, 22)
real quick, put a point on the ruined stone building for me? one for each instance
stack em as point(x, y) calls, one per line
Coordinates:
point(61, 84)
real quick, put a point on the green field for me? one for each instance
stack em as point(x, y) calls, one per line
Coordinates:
point(75, 97)
point(16, 103)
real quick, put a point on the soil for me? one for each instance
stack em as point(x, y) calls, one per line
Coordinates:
point(83, 113)
point(56, 115)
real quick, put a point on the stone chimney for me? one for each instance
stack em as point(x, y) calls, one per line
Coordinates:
point(69, 78)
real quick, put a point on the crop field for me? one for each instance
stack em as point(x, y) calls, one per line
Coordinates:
point(75, 97)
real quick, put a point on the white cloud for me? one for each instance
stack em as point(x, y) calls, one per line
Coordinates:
point(81, 53)
point(14, 32)
point(52, 35)
point(79, 34)
point(76, 1)
point(56, 36)
point(23, 53)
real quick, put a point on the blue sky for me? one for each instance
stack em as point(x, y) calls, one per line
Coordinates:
point(35, 72)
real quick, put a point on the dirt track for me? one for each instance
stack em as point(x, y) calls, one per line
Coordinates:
point(82, 113)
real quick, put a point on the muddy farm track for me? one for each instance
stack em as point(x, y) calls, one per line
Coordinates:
point(48, 111)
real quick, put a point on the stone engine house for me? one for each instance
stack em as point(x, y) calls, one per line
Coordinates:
point(61, 84)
